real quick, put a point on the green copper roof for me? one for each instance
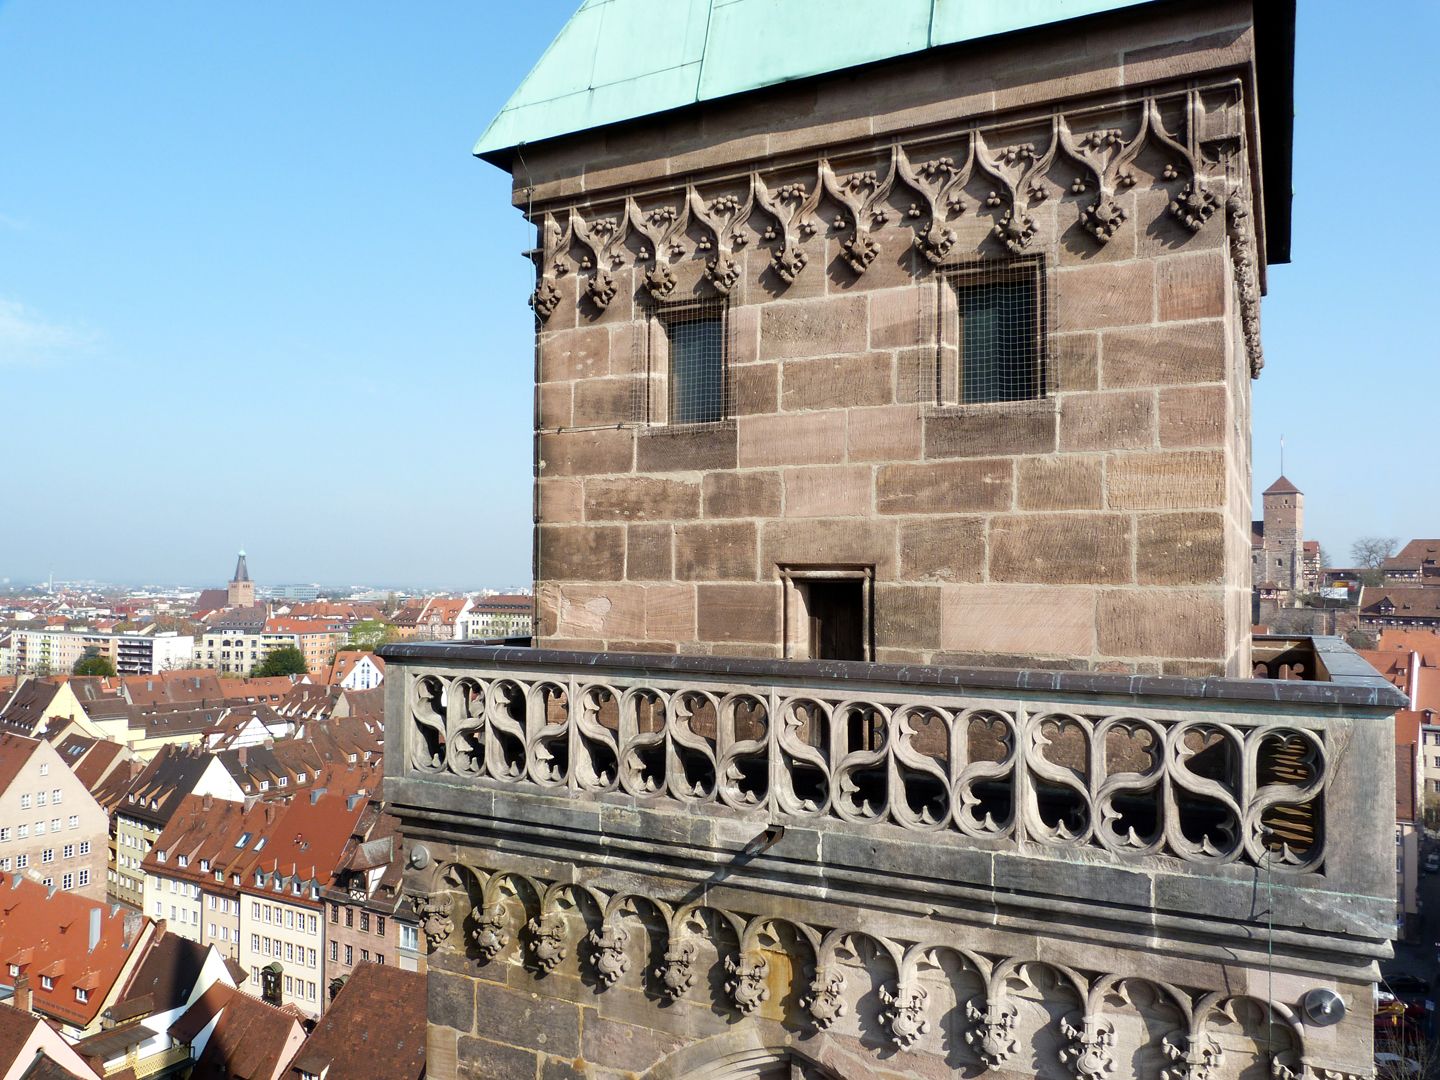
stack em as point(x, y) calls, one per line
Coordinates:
point(621, 59)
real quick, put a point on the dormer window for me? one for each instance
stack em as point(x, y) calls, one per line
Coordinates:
point(47, 983)
point(205, 865)
point(183, 860)
point(82, 995)
point(160, 855)
point(14, 971)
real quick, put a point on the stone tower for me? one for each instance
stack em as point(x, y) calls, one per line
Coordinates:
point(894, 363)
point(241, 590)
point(1280, 557)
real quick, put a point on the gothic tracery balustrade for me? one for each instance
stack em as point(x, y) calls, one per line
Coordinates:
point(1196, 783)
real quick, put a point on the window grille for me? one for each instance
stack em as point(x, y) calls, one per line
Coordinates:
point(990, 325)
point(682, 364)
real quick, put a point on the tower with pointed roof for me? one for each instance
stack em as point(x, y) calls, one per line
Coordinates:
point(1278, 557)
point(241, 590)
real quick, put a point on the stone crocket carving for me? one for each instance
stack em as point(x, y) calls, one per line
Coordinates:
point(746, 986)
point(677, 969)
point(435, 921)
point(826, 999)
point(547, 940)
point(993, 1038)
point(609, 956)
point(490, 935)
point(904, 1012)
point(1091, 1049)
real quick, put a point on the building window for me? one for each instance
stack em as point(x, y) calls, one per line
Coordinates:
point(334, 951)
point(67, 881)
point(992, 332)
point(349, 917)
point(47, 983)
point(84, 847)
point(365, 921)
point(409, 937)
point(683, 355)
point(82, 995)
point(74, 821)
point(84, 878)
point(380, 924)
point(349, 954)
point(68, 851)
point(334, 912)
point(828, 612)
point(48, 855)
point(380, 958)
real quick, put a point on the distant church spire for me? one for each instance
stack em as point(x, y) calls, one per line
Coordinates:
point(241, 590)
point(242, 572)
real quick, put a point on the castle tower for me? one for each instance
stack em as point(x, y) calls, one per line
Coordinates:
point(1284, 511)
point(241, 590)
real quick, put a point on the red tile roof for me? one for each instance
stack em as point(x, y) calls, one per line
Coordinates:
point(371, 1029)
point(251, 1041)
point(39, 928)
point(15, 752)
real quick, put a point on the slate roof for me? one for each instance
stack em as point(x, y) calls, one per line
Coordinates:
point(1282, 486)
point(25, 712)
point(372, 1029)
point(249, 1041)
point(172, 774)
point(164, 980)
point(15, 752)
point(1415, 555)
point(1401, 603)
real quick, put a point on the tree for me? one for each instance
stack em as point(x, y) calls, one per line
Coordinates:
point(94, 664)
point(286, 660)
point(1370, 553)
point(367, 636)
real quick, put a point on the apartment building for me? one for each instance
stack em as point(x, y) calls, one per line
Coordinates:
point(51, 828)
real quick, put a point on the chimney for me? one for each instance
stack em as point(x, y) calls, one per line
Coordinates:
point(22, 997)
point(94, 938)
point(208, 801)
point(133, 921)
point(244, 755)
point(1412, 684)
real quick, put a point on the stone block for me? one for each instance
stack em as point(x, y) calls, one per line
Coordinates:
point(1161, 622)
point(686, 449)
point(599, 402)
point(755, 389)
point(1166, 480)
point(743, 494)
point(546, 1023)
point(607, 612)
point(943, 548)
point(824, 542)
point(1115, 421)
point(828, 491)
point(1164, 355)
point(451, 1001)
point(889, 433)
point(991, 430)
point(561, 500)
point(838, 382)
point(1193, 416)
point(814, 327)
point(641, 498)
point(648, 552)
point(748, 612)
point(813, 439)
point(482, 1059)
point(897, 317)
point(716, 551)
point(554, 403)
point(1076, 362)
point(1192, 286)
point(670, 613)
point(567, 355)
point(1063, 482)
point(1180, 549)
point(944, 487)
point(581, 553)
point(1062, 549)
point(627, 1047)
point(1019, 620)
point(907, 616)
point(586, 453)
point(1120, 294)
point(744, 327)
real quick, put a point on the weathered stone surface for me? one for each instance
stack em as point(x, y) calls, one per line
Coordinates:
point(1164, 355)
point(889, 433)
point(1167, 480)
point(1024, 620)
point(554, 403)
point(562, 500)
point(944, 487)
point(990, 430)
point(648, 552)
point(748, 612)
point(451, 1001)
point(755, 389)
point(1161, 622)
point(1180, 549)
point(814, 328)
point(586, 453)
point(808, 439)
point(582, 552)
point(831, 382)
point(641, 498)
point(1064, 482)
point(1116, 421)
point(1067, 549)
point(575, 354)
point(482, 1059)
point(1192, 286)
point(827, 541)
point(828, 491)
point(908, 615)
point(716, 551)
point(1193, 416)
point(670, 613)
point(550, 1025)
point(1076, 361)
point(686, 449)
point(1087, 297)
point(611, 1044)
point(603, 612)
point(745, 494)
point(895, 318)
point(943, 548)
point(606, 401)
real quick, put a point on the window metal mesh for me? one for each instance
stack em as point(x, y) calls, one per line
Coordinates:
point(682, 364)
point(989, 323)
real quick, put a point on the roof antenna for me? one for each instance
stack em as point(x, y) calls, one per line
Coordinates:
point(1282, 455)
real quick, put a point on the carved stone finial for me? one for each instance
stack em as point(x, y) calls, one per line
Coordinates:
point(1015, 231)
point(434, 912)
point(1102, 219)
point(1091, 1050)
point(904, 1012)
point(677, 969)
point(547, 940)
point(609, 956)
point(490, 935)
point(935, 242)
point(601, 288)
point(1195, 1057)
point(660, 282)
point(746, 985)
point(826, 999)
point(1195, 205)
point(545, 299)
point(993, 1038)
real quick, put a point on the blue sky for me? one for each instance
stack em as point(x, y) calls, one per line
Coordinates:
point(254, 290)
